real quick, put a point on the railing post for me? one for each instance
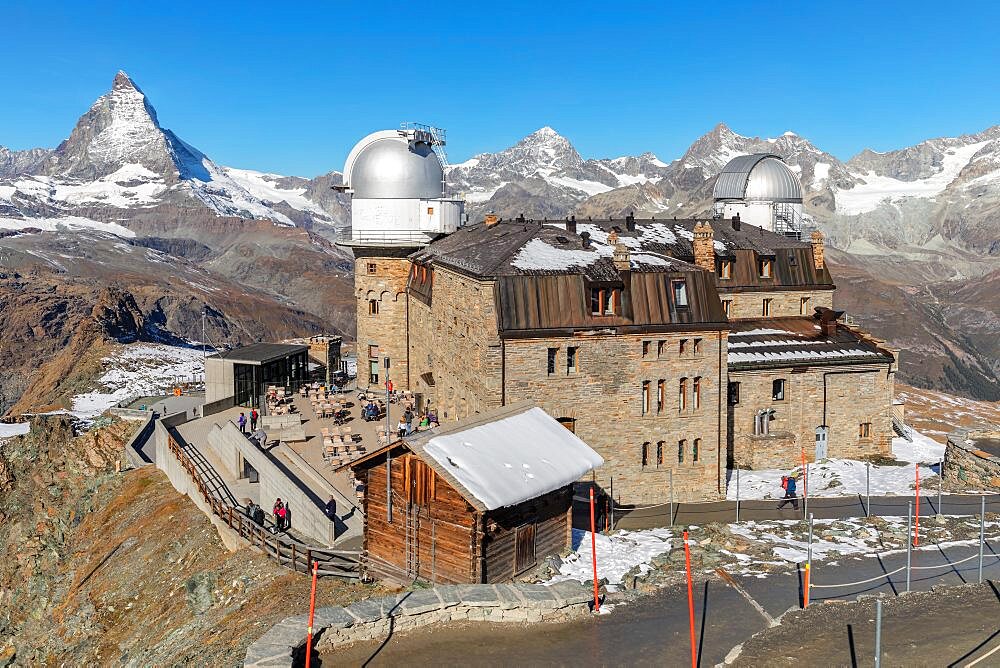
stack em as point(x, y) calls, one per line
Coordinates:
point(309, 555)
point(294, 557)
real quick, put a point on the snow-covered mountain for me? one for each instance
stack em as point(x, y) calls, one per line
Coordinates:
point(119, 159)
point(547, 161)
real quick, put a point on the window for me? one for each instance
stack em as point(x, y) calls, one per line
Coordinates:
point(645, 397)
point(372, 267)
point(766, 267)
point(568, 422)
point(661, 396)
point(682, 394)
point(373, 351)
point(423, 274)
point(865, 430)
point(645, 348)
point(430, 211)
point(661, 348)
point(778, 389)
point(372, 307)
point(695, 447)
point(373, 372)
point(682, 346)
point(571, 359)
point(680, 293)
point(726, 269)
point(659, 453)
point(605, 301)
point(804, 306)
point(551, 361)
point(645, 453)
point(766, 308)
point(696, 349)
point(696, 390)
point(734, 394)
point(727, 306)
point(681, 446)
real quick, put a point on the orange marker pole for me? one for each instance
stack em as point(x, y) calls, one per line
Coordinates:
point(312, 612)
point(593, 551)
point(687, 566)
point(916, 530)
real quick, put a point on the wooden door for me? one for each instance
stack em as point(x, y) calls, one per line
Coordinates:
point(524, 548)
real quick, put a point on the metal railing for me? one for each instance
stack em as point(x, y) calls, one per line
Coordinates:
point(284, 549)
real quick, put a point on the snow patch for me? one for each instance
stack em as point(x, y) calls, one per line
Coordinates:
point(617, 554)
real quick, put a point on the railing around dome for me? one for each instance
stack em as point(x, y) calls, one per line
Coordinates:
point(385, 238)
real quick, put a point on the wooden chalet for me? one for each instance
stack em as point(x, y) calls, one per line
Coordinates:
point(477, 501)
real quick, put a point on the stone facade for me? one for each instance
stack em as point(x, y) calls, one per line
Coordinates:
point(381, 280)
point(783, 303)
point(855, 395)
point(972, 459)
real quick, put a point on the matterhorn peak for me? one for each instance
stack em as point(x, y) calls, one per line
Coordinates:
point(124, 82)
point(545, 131)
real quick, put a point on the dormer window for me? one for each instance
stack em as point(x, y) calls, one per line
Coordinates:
point(766, 267)
point(680, 293)
point(725, 269)
point(605, 301)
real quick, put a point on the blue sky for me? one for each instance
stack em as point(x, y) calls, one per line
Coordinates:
point(261, 86)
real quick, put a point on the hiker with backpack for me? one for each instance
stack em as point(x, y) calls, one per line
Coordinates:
point(253, 419)
point(241, 422)
point(788, 484)
point(279, 516)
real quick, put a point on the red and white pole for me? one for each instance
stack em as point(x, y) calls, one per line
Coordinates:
point(916, 530)
point(312, 612)
point(687, 565)
point(593, 551)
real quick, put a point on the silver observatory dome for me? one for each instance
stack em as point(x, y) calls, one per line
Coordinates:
point(760, 177)
point(385, 165)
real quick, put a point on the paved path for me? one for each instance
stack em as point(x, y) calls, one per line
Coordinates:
point(654, 631)
point(821, 507)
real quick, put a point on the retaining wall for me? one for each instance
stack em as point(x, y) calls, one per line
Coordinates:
point(133, 454)
point(307, 508)
point(374, 619)
point(967, 464)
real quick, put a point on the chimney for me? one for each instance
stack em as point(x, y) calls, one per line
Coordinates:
point(816, 241)
point(491, 219)
point(736, 222)
point(613, 238)
point(828, 320)
point(704, 246)
point(585, 236)
point(630, 222)
point(621, 257)
point(571, 224)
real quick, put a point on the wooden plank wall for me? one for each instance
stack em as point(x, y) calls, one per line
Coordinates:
point(552, 532)
point(440, 534)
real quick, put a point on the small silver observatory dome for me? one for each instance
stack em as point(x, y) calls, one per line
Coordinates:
point(760, 177)
point(386, 165)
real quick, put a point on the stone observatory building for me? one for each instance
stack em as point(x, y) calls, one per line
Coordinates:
point(675, 348)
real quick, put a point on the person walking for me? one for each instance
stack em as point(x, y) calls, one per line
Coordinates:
point(242, 422)
point(250, 510)
point(258, 515)
point(331, 508)
point(788, 483)
point(254, 415)
point(401, 428)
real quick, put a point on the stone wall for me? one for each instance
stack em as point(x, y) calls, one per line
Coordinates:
point(456, 341)
point(387, 329)
point(854, 395)
point(783, 303)
point(374, 619)
point(966, 463)
point(604, 399)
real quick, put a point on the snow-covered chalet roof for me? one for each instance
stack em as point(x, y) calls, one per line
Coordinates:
point(505, 457)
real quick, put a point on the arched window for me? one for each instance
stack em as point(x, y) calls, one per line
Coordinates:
point(659, 453)
point(696, 389)
point(568, 422)
point(372, 307)
point(695, 450)
point(645, 453)
point(681, 446)
point(682, 391)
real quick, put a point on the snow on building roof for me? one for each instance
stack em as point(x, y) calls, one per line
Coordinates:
point(505, 457)
point(790, 340)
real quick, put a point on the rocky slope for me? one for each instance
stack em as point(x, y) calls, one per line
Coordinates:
point(78, 538)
